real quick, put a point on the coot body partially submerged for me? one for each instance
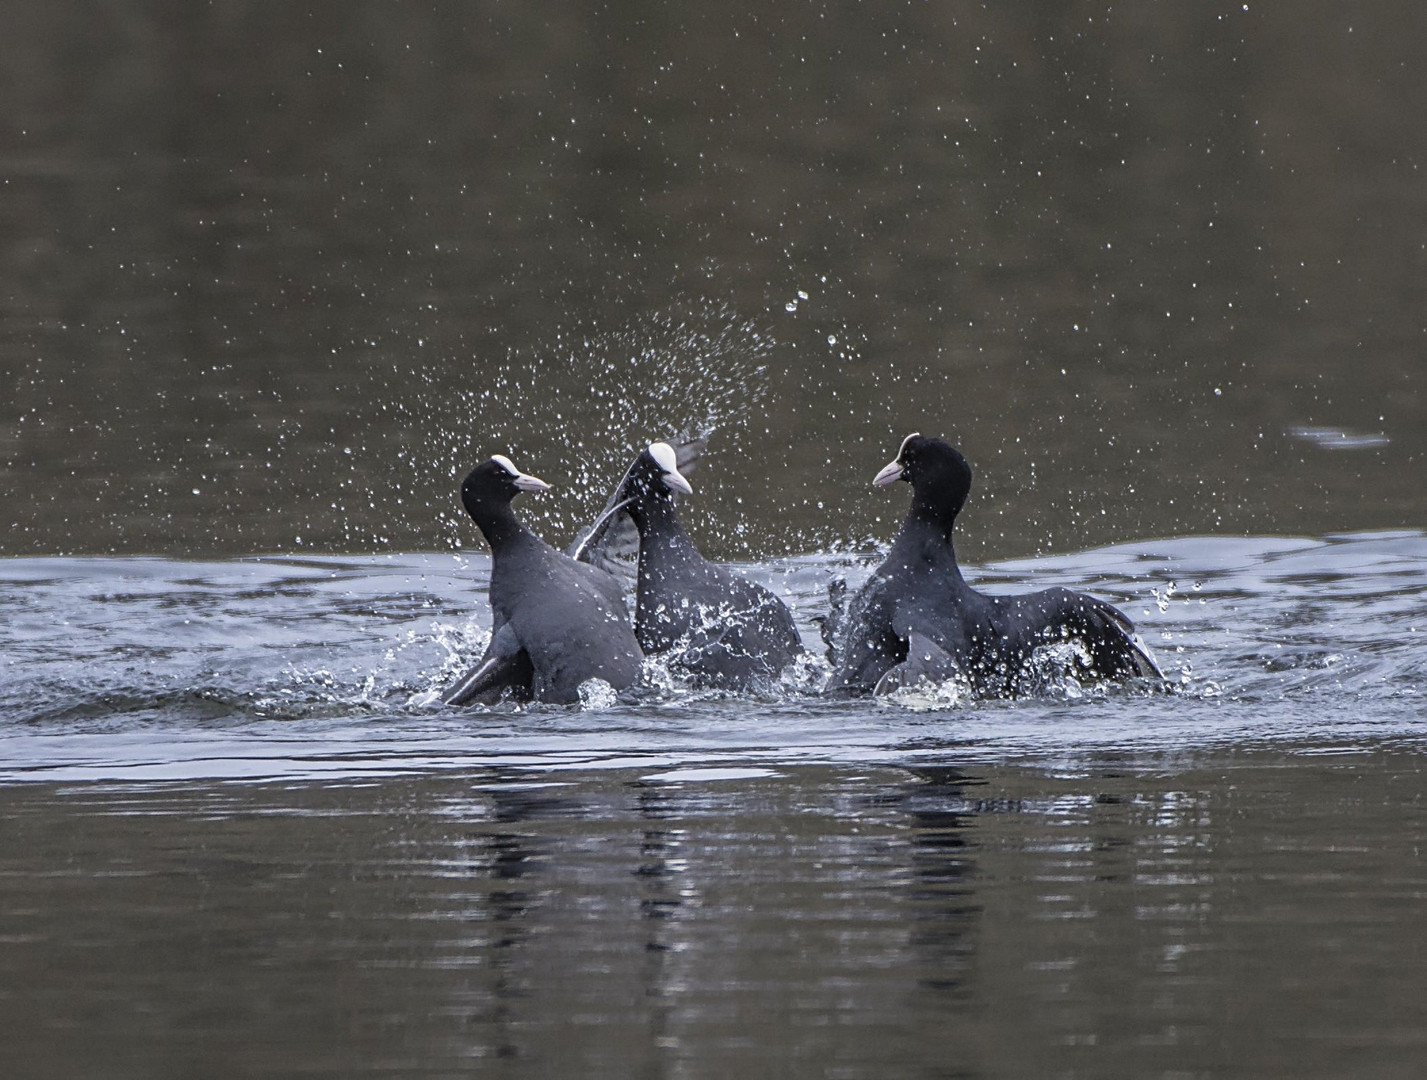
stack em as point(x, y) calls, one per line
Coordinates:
point(917, 619)
point(717, 627)
point(556, 623)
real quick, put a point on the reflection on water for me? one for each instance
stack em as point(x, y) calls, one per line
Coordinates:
point(866, 921)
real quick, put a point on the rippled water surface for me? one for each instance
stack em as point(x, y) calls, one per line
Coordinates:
point(238, 842)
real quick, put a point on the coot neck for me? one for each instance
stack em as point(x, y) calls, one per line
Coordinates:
point(931, 514)
point(926, 538)
point(658, 522)
point(498, 524)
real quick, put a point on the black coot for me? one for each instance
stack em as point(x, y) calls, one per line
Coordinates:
point(917, 619)
point(556, 622)
point(722, 629)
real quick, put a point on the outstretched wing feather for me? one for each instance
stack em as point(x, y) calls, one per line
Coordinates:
point(611, 542)
point(505, 668)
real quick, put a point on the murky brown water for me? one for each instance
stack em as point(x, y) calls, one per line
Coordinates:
point(273, 276)
point(1236, 918)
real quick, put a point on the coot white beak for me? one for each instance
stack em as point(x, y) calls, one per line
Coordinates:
point(888, 474)
point(522, 481)
point(675, 481)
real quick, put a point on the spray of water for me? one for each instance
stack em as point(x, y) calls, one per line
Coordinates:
point(574, 409)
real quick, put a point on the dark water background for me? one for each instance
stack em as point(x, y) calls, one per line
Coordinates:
point(310, 261)
point(273, 276)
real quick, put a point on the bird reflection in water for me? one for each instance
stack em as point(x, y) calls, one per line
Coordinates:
point(941, 890)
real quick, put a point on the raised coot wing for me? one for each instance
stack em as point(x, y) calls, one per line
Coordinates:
point(1115, 646)
point(1108, 634)
point(830, 626)
point(505, 667)
point(611, 542)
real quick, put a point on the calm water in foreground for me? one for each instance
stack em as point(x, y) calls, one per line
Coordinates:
point(236, 842)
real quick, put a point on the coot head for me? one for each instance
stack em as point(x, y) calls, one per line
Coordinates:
point(938, 474)
point(656, 472)
point(496, 480)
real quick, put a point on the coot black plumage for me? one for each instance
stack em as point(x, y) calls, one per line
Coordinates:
point(556, 622)
point(722, 629)
point(917, 619)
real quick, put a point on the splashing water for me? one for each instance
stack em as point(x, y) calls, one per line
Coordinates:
point(286, 666)
point(596, 695)
point(594, 397)
point(928, 696)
